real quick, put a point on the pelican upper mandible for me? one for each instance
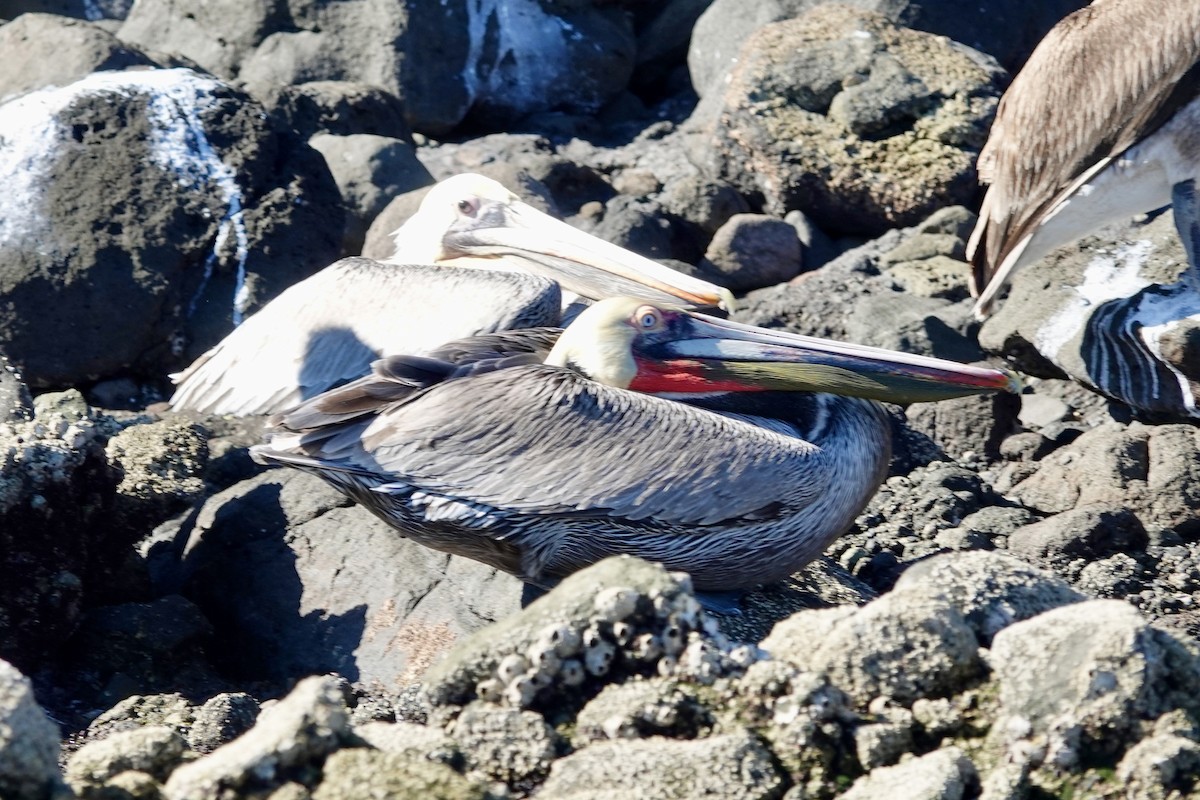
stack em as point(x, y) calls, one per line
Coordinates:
point(509, 261)
point(1103, 123)
point(539, 469)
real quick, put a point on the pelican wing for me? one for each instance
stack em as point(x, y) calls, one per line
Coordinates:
point(328, 329)
point(542, 440)
point(1101, 80)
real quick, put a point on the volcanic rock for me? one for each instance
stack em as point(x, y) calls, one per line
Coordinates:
point(28, 741)
point(891, 120)
point(159, 191)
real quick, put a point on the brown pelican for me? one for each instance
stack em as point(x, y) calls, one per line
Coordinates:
point(328, 328)
point(1103, 123)
point(539, 469)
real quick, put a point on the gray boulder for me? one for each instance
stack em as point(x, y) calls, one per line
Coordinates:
point(945, 774)
point(356, 773)
point(493, 65)
point(705, 203)
point(968, 425)
point(1150, 470)
point(902, 647)
point(1008, 30)
point(295, 733)
point(992, 590)
point(504, 744)
point(297, 581)
point(50, 50)
point(1079, 680)
point(733, 764)
point(852, 299)
point(370, 171)
point(161, 191)
point(28, 742)
point(1087, 532)
point(161, 465)
point(341, 108)
point(891, 121)
point(154, 750)
point(216, 36)
point(753, 250)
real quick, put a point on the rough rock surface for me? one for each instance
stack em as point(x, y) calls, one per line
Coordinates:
point(49, 50)
point(301, 729)
point(159, 191)
point(891, 120)
point(1015, 614)
point(50, 464)
point(733, 764)
point(1008, 30)
point(1077, 680)
point(28, 741)
point(290, 542)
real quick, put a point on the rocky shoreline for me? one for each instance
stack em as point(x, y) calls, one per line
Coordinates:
point(1012, 616)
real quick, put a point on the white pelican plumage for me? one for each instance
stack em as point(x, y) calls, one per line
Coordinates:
point(473, 259)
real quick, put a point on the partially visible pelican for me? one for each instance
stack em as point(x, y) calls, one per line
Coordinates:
point(539, 469)
point(1101, 124)
point(328, 328)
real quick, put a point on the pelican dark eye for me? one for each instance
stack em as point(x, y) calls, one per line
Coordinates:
point(468, 207)
point(648, 318)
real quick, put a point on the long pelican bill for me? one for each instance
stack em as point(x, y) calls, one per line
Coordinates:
point(710, 354)
point(579, 262)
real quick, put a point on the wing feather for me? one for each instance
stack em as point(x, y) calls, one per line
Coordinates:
point(542, 440)
point(1101, 80)
point(328, 329)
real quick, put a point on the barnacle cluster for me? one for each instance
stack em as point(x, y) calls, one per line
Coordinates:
point(664, 633)
point(39, 454)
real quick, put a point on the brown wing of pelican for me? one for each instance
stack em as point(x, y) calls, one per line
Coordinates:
point(328, 329)
point(1103, 79)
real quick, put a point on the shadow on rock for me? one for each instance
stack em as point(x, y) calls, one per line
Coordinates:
point(238, 565)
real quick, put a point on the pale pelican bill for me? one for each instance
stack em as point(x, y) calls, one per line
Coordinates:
point(731, 355)
point(577, 261)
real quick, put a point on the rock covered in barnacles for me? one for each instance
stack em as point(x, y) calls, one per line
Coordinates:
point(1076, 682)
point(641, 708)
point(304, 727)
point(362, 772)
point(733, 764)
point(805, 719)
point(161, 465)
point(619, 617)
point(902, 646)
point(505, 744)
point(154, 750)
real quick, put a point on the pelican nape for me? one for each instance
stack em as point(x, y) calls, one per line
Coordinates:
point(509, 261)
point(1103, 123)
point(539, 464)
